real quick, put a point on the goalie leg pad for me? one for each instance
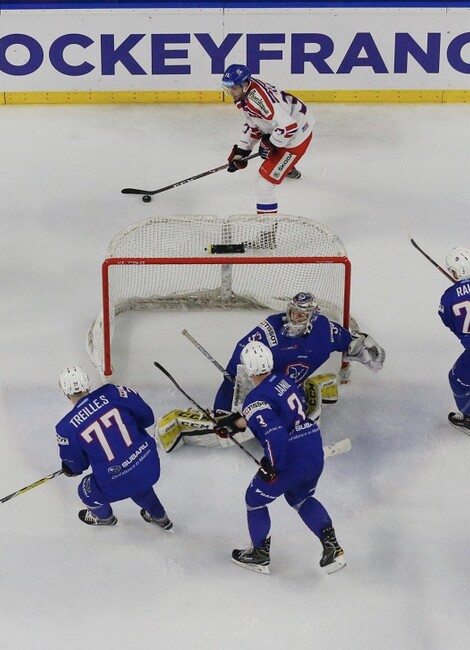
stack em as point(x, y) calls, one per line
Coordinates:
point(191, 427)
point(320, 389)
point(168, 432)
point(174, 428)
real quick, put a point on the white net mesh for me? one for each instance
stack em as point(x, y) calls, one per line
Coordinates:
point(198, 285)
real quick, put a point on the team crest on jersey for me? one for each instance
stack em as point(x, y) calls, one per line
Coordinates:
point(298, 372)
point(61, 440)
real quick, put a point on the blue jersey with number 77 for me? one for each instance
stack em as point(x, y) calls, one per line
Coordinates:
point(106, 430)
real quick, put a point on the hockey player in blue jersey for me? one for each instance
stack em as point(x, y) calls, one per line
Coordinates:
point(301, 340)
point(293, 459)
point(105, 430)
point(454, 311)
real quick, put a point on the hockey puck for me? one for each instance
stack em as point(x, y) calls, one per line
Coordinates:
point(146, 198)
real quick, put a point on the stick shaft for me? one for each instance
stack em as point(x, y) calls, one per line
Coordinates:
point(132, 190)
point(30, 487)
point(198, 406)
point(438, 267)
point(208, 355)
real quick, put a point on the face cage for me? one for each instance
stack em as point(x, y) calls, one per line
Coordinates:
point(293, 329)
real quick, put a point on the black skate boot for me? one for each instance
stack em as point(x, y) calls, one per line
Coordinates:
point(92, 520)
point(164, 522)
point(333, 555)
point(460, 421)
point(294, 173)
point(255, 558)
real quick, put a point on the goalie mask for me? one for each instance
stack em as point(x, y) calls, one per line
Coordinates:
point(458, 263)
point(302, 311)
point(73, 380)
point(257, 358)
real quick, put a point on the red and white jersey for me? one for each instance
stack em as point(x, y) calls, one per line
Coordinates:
point(277, 113)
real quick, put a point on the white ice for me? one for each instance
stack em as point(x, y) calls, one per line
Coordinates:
point(399, 499)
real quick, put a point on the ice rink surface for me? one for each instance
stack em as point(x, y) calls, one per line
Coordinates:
point(399, 499)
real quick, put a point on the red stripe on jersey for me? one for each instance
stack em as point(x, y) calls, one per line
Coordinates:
point(291, 130)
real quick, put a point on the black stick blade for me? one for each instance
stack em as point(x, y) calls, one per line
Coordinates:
point(132, 190)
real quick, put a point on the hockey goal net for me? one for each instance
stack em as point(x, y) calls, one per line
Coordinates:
point(209, 262)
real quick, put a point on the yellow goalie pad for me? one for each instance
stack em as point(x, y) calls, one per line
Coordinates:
point(320, 389)
point(172, 427)
point(191, 427)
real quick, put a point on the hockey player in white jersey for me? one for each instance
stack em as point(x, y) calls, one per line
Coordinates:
point(276, 122)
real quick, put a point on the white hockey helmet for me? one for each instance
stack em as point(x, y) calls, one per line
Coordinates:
point(301, 312)
point(74, 380)
point(458, 262)
point(257, 358)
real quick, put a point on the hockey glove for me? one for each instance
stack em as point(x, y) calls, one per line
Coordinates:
point(266, 147)
point(366, 350)
point(67, 471)
point(226, 426)
point(237, 159)
point(266, 471)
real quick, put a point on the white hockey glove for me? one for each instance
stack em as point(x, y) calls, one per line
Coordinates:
point(366, 350)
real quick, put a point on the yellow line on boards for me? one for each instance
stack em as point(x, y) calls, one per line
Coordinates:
point(215, 97)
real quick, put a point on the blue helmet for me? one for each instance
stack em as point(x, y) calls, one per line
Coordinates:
point(235, 75)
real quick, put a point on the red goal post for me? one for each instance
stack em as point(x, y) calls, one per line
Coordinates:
point(276, 257)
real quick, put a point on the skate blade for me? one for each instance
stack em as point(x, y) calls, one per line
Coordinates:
point(460, 428)
point(252, 567)
point(338, 564)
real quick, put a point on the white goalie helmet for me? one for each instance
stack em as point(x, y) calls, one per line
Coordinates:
point(301, 312)
point(257, 358)
point(458, 262)
point(74, 380)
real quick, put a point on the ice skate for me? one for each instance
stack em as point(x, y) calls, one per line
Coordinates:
point(460, 421)
point(255, 558)
point(92, 520)
point(164, 522)
point(294, 173)
point(333, 555)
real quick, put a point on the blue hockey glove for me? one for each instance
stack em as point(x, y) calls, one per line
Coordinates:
point(266, 147)
point(226, 427)
point(266, 471)
point(237, 159)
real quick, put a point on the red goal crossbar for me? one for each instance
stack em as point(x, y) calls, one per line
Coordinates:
point(213, 260)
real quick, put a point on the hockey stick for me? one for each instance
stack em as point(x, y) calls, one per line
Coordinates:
point(335, 449)
point(30, 487)
point(438, 267)
point(132, 190)
point(208, 356)
point(198, 406)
